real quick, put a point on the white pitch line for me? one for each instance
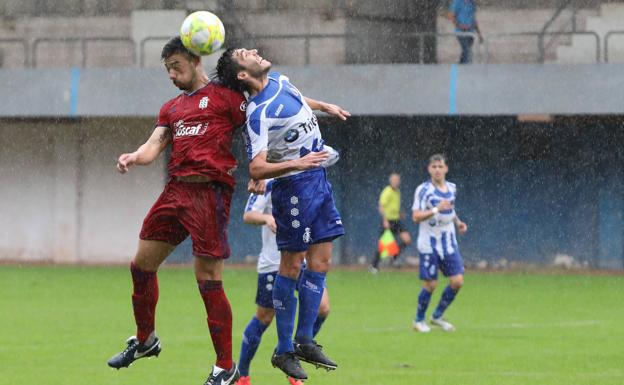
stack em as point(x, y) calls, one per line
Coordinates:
point(513, 325)
point(518, 325)
point(515, 373)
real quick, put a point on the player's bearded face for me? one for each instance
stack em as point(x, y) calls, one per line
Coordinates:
point(182, 71)
point(252, 63)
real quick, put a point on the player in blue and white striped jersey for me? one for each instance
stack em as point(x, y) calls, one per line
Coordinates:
point(434, 210)
point(258, 211)
point(284, 142)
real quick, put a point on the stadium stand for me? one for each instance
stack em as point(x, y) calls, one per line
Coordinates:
point(65, 33)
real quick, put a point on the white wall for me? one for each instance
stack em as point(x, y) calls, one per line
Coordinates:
point(61, 198)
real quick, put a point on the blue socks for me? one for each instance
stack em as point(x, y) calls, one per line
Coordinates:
point(285, 305)
point(251, 340)
point(310, 294)
point(447, 297)
point(423, 302)
point(317, 325)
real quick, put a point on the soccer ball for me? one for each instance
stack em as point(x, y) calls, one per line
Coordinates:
point(202, 33)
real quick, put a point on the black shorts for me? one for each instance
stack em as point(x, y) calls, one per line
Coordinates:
point(396, 227)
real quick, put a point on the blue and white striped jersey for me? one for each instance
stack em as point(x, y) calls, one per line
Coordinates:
point(280, 122)
point(438, 233)
point(269, 258)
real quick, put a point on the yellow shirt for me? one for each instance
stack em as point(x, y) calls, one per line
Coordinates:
point(390, 201)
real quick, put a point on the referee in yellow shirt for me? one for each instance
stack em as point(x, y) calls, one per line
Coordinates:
point(390, 211)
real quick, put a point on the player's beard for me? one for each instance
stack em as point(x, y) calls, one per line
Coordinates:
point(258, 72)
point(188, 85)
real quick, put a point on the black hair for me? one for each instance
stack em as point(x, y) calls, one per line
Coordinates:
point(226, 72)
point(437, 158)
point(173, 46)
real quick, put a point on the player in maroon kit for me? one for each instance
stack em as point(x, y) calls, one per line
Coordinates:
point(199, 124)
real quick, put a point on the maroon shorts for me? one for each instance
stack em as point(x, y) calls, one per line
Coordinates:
point(199, 209)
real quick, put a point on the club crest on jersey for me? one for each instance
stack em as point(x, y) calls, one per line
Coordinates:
point(243, 106)
point(307, 235)
point(181, 129)
point(203, 102)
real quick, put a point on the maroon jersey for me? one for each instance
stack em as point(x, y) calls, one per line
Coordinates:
point(202, 126)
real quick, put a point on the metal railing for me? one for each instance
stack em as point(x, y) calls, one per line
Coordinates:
point(607, 37)
point(23, 43)
point(307, 38)
point(481, 51)
point(145, 41)
point(83, 46)
point(541, 55)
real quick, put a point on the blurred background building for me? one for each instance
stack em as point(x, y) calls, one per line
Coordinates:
point(533, 128)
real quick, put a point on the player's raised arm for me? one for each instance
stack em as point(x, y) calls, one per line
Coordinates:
point(328, 108)
point(259, 168)
point(147, 152)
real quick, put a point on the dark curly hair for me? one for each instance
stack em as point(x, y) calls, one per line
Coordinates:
point(173, 46)
point(226, 72)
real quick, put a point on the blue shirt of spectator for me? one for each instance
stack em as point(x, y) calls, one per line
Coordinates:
point(464, 11)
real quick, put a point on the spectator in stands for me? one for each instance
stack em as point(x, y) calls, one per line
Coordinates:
point(462, 14)
point(391, 215)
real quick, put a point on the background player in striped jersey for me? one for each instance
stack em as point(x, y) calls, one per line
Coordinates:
point(284, 141)
point(199, 125)
point(259, 212)
point(434, 210)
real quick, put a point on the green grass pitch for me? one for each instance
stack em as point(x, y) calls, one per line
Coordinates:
point(59, 325)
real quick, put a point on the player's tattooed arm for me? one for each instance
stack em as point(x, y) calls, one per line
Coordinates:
point(328, 108)
point(165, 136)
point(148, 151)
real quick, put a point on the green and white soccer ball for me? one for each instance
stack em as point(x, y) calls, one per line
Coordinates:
point(202, 33)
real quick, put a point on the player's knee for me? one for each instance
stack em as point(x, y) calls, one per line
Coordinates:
point(145, 264)
point(323, 310)
point(265, 316)
point(457, 282)
point(291, 271)
point(290, 267)
point(430, 286)
point(320, 265)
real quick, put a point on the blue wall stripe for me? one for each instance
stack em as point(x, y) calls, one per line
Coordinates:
point(73, 91)
point(453, 90)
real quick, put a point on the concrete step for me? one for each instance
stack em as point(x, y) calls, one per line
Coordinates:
point(283, 49)
point(612, 11)
point(299, 22)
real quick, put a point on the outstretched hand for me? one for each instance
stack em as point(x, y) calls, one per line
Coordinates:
point(335, 110)
point(256, 186)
